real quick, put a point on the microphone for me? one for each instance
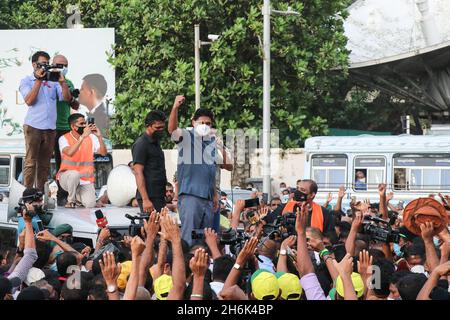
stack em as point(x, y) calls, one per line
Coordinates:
point(101, 221)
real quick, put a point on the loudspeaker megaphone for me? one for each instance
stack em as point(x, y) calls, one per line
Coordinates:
point(15, 193)
point(121, 185)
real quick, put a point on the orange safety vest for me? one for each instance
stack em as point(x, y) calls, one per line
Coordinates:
point(82, 161)
point(317, 214)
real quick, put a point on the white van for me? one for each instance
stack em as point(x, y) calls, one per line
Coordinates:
point(411, 166)
point(83, 221)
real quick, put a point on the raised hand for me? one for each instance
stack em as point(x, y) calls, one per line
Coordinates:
point(137, 246)
point(169, 229)
point(210, 237)
point(151, 227)
point(110, 270)
point(302, 219)
point(289, 242)
point(345, 267)
point(199, 263)
point(382, 189)
point(247, 251)
point(427, 230)
point(341, 193)
point(45, 235)
point(179, 100)
point(365, 264)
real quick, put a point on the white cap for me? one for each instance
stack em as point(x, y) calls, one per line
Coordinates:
point(34, 275)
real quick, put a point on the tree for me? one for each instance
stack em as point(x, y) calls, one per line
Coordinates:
point(154, 59)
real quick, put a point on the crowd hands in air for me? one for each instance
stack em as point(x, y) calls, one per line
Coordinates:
point(294, 259)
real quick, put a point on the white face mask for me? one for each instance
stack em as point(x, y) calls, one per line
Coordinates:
point(418, 269)
point(285, 198)
point(64, 71)
point(202, 129)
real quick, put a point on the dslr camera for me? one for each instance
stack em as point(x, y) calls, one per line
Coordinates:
point(380, 230)
point(37, 196)
point(52, 71)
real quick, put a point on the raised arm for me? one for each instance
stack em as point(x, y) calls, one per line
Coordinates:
point(198, 264)
point(345, 269)
point(211, 241)
point(151, 229)
point(341, 195)
point(282, 258)
point(71, 150)
point(45, 235)
point(304, 262)
point(172, 234)
point(137, 247)
point(236, 216)
point(427, 232)
point(111, 272)
point(173, 118)
point(440, 271)
point(351, 239)
point(383, 202)
point(247, 252)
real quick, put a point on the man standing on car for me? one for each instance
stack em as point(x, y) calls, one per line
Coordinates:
point(149, 164)
point(39, 127)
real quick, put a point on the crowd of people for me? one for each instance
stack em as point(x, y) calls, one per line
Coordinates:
point(297, 250)
point(194, 244)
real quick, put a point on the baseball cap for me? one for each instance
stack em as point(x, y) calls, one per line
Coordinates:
point(265, 285)
point(124, 273)
point(62, 228)
point(289, 285)
point(358, 284)
point(34, 274)
point(162, 286)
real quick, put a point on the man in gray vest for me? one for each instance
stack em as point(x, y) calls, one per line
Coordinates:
point(196, 170)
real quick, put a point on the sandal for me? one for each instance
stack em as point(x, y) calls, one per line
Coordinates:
point(70, 205)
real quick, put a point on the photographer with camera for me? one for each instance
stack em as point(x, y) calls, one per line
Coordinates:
point(31, 204)
point(41, 91)
point(76, 174)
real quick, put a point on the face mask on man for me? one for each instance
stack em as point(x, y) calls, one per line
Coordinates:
point(202, 129)
point(284, 198)
point(80, 130)
point(64, 71)
point(158, 134)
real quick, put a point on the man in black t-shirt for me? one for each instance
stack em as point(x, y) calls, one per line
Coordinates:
point(149, 164)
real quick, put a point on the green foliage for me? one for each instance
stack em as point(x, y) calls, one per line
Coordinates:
point(154, 59)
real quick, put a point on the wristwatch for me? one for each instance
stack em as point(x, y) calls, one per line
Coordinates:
point(237, 266)
point(282, 252)
point(111, 288)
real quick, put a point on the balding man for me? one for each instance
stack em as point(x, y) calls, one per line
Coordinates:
point(62, 125)
point(92, 91)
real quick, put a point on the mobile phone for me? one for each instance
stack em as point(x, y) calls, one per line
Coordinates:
point(40, 226)
point(251, 203)
point(91, 120)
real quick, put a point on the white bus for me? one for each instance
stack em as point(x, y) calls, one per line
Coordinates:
point(411, 166)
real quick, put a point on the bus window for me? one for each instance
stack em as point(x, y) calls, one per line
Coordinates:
point(422, 172)
point(329, 171)
point(369, 172)
point(18, 169)
point(4, 170)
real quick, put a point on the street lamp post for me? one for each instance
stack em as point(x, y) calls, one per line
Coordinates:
point(267, 11)
point(197, 46)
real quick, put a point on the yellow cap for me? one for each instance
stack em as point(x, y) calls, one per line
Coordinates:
point(162, 286)
point(358, 284)
point(265, 285)
point(124, 273)
point(290, 286)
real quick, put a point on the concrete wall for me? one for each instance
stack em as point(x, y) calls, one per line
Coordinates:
point(286, 166)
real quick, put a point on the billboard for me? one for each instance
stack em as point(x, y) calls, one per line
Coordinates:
point(86, 50)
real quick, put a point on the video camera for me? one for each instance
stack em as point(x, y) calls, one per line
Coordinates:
point(37, 196)
point(283, 226)
point(234, 238)
point(380, 230)
point(135, 228)
point(52, 71)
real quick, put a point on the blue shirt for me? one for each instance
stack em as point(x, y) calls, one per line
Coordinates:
point(42, 114)
point(196, 169)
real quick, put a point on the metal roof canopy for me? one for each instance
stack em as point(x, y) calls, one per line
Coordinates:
point(420, 70)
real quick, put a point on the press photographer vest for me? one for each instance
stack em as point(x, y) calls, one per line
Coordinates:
point(316, 215)
point(82, 161)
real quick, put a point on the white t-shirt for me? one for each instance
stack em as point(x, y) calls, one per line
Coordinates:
point(95, 147)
